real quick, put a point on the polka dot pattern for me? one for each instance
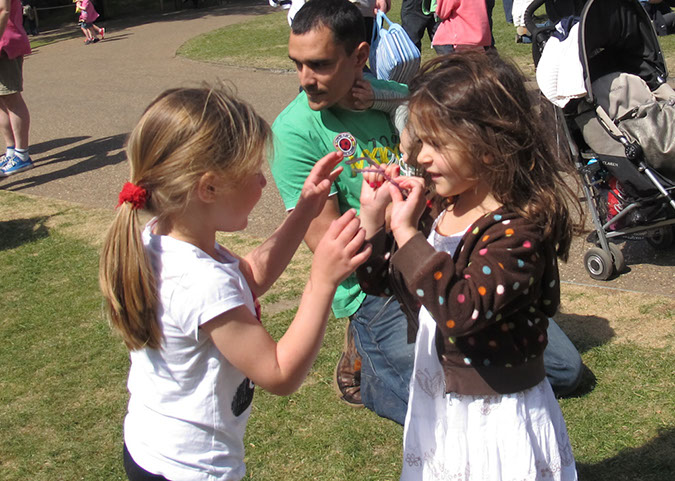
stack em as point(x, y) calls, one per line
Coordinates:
point(496, 270)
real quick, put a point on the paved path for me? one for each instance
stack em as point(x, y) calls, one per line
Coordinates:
point(77, 138)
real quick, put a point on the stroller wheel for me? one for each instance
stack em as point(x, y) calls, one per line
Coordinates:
point(599, 264)
point(619, 261)
point(661, 238)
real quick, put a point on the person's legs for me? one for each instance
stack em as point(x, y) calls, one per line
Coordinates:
point(669, 22)
point(85, 31)
point(414, 22)
point(5, 126)
point(18, 119)
point(490, 6)
point(562, 361)
point(14, 117)
point(380, 335)
point(508, 14)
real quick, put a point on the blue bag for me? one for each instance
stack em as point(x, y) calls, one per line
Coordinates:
point(393, 56)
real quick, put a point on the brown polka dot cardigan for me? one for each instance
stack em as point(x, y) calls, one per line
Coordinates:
point(491, 300)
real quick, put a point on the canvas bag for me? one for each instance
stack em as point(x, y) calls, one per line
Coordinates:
point(393, 56)
point(641, 116)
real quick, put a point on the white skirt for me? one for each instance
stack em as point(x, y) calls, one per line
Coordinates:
point(520, 436)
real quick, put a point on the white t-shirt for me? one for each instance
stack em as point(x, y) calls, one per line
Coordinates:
point(189, 406)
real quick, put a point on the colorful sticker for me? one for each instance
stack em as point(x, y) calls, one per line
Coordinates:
point(346, 143)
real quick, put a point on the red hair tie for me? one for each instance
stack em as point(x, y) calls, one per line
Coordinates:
point(134, 194)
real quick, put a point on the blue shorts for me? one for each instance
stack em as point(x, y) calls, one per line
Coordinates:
point(85, 25)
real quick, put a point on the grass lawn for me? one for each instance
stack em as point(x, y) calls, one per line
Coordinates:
point(63, 383)
point(262, 42)
point(63, 394)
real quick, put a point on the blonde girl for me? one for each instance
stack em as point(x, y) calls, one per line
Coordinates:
point(484, 272)
point(186, 307)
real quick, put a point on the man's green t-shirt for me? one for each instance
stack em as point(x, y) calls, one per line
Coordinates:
point(302, 136)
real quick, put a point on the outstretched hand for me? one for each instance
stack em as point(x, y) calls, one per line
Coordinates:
point(340, 252)
point(316, 188)
point(406, 212)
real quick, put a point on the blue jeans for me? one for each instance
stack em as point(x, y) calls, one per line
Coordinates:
point(380, 335)
point(508, 7)
point(562, 361)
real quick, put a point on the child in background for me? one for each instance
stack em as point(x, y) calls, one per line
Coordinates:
point(486, 277)
point(186, 307)
point(88, 16)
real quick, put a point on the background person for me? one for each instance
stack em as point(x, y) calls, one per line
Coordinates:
point(14, 116)
point(327, 44)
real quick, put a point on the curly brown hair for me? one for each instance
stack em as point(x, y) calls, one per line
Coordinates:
point(480, 101)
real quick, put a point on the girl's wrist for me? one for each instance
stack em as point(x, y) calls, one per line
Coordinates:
point(320, 283)
point(371, 221)
point(403, 234)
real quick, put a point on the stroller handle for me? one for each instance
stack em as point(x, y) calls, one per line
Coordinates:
point(529, 18)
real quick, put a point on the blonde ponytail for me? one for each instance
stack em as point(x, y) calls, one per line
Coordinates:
point(128, 282)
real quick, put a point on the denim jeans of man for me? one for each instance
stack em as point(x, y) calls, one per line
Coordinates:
point(380, 335)
point(562, 361)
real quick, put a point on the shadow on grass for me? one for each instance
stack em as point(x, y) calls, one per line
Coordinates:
point(585, 332)
point(646, 463)
point(14, 233)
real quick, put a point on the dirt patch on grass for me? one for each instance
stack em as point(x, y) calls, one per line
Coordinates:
point(594, 316)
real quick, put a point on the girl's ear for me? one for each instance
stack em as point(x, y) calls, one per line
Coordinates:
point(207, 187)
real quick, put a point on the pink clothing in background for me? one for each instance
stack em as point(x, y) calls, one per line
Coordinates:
point(14, 41)
point(89, 13)
point(463, 22)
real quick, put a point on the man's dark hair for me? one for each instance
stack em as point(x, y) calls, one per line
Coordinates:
point(342, 17)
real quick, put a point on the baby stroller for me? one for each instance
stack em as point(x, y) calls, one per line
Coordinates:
point(617, 122)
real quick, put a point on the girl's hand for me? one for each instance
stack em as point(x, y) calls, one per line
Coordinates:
point(340, 252)
point(362, 95)
point(375, 198)
point(406, 213)
point(316, 188)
